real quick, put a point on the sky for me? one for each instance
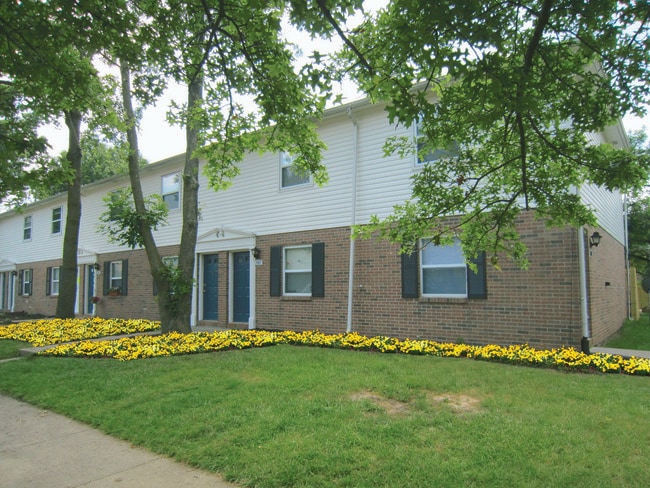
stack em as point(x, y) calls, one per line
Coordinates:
point(158, 140)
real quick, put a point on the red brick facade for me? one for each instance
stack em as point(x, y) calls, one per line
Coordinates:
point(539, 306)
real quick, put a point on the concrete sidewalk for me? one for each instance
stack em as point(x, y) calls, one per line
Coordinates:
point(41, 449)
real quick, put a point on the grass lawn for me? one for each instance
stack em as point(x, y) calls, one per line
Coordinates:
point(287, 416)
point(635, 334)
point(10, 349)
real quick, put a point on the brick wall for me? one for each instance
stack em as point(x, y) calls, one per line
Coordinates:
point(607, 287)
point(139, 301)
point(539, 306)
point(38, 302)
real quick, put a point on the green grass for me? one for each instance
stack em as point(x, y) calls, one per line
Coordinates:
point(288, 416)
point(635, 334)
point(10, 349)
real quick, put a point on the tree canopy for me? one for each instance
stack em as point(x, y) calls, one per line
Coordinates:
point(519, 89)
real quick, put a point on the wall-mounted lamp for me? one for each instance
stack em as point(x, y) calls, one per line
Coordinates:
point(96, 266)
point(14, 273)
point(256, 252)
point(594, 239)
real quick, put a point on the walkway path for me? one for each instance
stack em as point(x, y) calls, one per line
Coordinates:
point(39, 448)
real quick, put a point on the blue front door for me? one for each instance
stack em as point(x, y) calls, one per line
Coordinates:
point(90, 290)
point(210, 286)
point(241, 286)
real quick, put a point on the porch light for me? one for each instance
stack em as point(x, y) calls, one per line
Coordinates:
point(594, 239)
point(256, 252)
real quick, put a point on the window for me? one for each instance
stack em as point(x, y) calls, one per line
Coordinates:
point(27, 228)
point(442, 272)
point(26, 281)
point(289, 177)
point(451, 151)
point(56, 220)
point(443, 268)
point(298, 270)
point(53, 278)
point(171, 190)
point(116, 277)
point(170, 262)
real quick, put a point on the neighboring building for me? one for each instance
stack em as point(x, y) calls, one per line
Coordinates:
point(274, 252)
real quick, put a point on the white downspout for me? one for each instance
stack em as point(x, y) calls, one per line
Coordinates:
point(252, 321)
point(584, 297)
point(353, 219)
point(627, 259)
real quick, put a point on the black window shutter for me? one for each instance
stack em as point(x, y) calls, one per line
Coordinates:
point(48, 281)
point(20, 281)
point(31, 281)
point(125, 276)
point(410, 273)
point(107, 277)
point(276, 271)
point(477, 282)
point(318, 269)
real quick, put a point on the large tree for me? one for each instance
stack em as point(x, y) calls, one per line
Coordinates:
point(46, 58)
point(245, 93)
point(505, 95)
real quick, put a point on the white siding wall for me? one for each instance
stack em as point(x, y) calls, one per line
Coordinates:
point(608, 205)
point(256, 204)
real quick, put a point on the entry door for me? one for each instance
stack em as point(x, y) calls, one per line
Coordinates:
point(241, 286)
point(210, 286)
point(90, 289)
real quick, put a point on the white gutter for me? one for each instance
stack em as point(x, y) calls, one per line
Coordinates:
point(353, 218)
point(627, 259)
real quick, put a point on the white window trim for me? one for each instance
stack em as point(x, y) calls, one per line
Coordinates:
point(423, 266)
point(286, 160)
point(31, 227)
point(26, 272)
point(59, 220)
point(290, 271)
point(180, 188)
point(112, 278)
point(417, 163)
point(53, 281)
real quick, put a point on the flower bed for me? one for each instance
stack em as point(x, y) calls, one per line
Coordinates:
point(54, 331)
point(174, 344)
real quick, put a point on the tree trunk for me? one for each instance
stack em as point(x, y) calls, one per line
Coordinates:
point(172, 316)
point(186, 256)
point(65, 305)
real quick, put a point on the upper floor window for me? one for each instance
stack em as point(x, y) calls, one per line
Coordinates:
point(171, 190)
point(27, 228)
point(56, 220)
point(288, 176)
point(53, 278)
point(451, 151)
